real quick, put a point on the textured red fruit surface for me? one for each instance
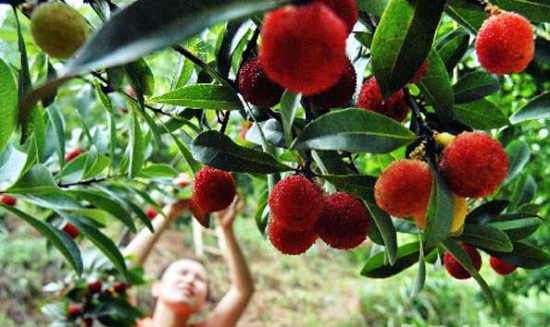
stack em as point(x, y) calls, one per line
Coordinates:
point(74, 310)
point(403, 189)
point(505, 43)
point(394, 107)
point(256, 87)
point(71, 230)
point(455, 269)
point(423, 69)
point(304, 48)
point(73, 154)
point(296, 203)
point(339, 95)
point(95, 287)
point(474, 165)
point(213, 189)
point(346, 10)
point(9, 200)
point(288, 241)
point(151, 213)
point(501, 267)
point(344, 222)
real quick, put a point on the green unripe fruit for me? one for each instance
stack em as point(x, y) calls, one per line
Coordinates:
point(58, 29)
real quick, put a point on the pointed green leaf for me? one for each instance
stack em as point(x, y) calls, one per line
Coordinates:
point(8, 103)
point(436, 87)
point(486, 237)
point(289, 106)
point(538, 108)
point(137, 147)
point(201, 96)
point(481, 114)
point(524, 256)
point(407, 255)
point(474, 86)
point(452, 48)
point(519, 154)
point(439, 217)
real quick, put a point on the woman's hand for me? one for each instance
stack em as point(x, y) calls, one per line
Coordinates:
point(227, 216)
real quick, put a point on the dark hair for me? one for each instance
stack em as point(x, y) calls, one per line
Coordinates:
point(164, 268)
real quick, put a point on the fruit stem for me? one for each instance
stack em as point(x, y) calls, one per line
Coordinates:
point(424, 131)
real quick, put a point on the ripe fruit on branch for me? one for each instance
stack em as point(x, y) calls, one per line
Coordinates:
point(213, 189)
point(420, 73)
point(403, 189)
point(344, 222)
point(304, 48)
point(73, 154)
point(501, 267)
point(95, 287)
point(296, 203)
point(9, 200)
point(346, 10)
point(474, 165)
point(460, 211)
point(288, 241)
point(58, 29)
point(256, 87)
point(394, 107)
point(71, 230)
point(151, 213)
point(455, 269)
point(505, 43)
point(74, 311)
point(120, 288)
point(341, 93)
point(200, 215)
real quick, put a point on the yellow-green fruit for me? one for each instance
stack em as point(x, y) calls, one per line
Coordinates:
point(460, 211)
point(58, 29)
point(444, 139)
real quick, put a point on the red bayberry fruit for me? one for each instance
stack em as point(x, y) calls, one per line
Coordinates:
point(346, 10)
point(120, 287)
point(151, 213)
point(9, 200)
point(71, 230)
point(296, 203)
point(403, 189)
point(304, 48)
point(73, 154)
point(340, 94)
point(256, 87)
point(95, 287)
point(199, 214)
point(344, 222)
point(75, 310)
point(213, 189)
point(501, 267)
point(394, 107)
point(474, 165)
point(455, 269)
point(505, 43)
point(423, 69)
point(288, 241)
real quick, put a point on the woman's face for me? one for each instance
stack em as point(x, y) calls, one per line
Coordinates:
point(184, 286)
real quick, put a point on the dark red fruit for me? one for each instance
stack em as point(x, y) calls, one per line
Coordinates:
point(75, 310)
point(287, 241)
point(9, 200)
point(71, 230)
point(501, 267)
point(73, 154)
point(340, 94)
point(120, 288)
point(304, 48)
point(95, 287)
point(151, 213)
point(344, 222)
point(296, 203)
point(213, 189)
point(455, 269)
point(346, 10)
point(394, 107)
point(256, 87)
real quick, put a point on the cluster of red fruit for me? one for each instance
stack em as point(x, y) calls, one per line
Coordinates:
point(456, 270)
point(300, 213)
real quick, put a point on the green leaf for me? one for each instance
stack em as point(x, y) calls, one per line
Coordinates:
point(436, 87)
point(202, 96)
point(159, 170)
point(260, 216)
point(8, 103)
point(524, 191)
point(421, 277)
point(273, 131)
point(464, 259)
point(216, 150)
point(486, 212)
point(486, 237)
point(11, 163)
point(384, 224)
point(538, 108)
point(403, 41)
point(74, 170)
point(365, 38)
point(289, 106)
point(375, 7)
point(26, 115)
point(480, 114)
point(354, 130)
point(58, 123)
point(534, 10)
point(407, 255)
point(65, 245)
point(137, 147)
point(517, 229)
point(467, 14)
point(105, 202)
point(439, 216)
point(524, 256)
point(193, 164)
point(141, 77)
point(360, 185)
point(519, 154)
point(452, 48)
point(36, 181)
point(475, 86)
